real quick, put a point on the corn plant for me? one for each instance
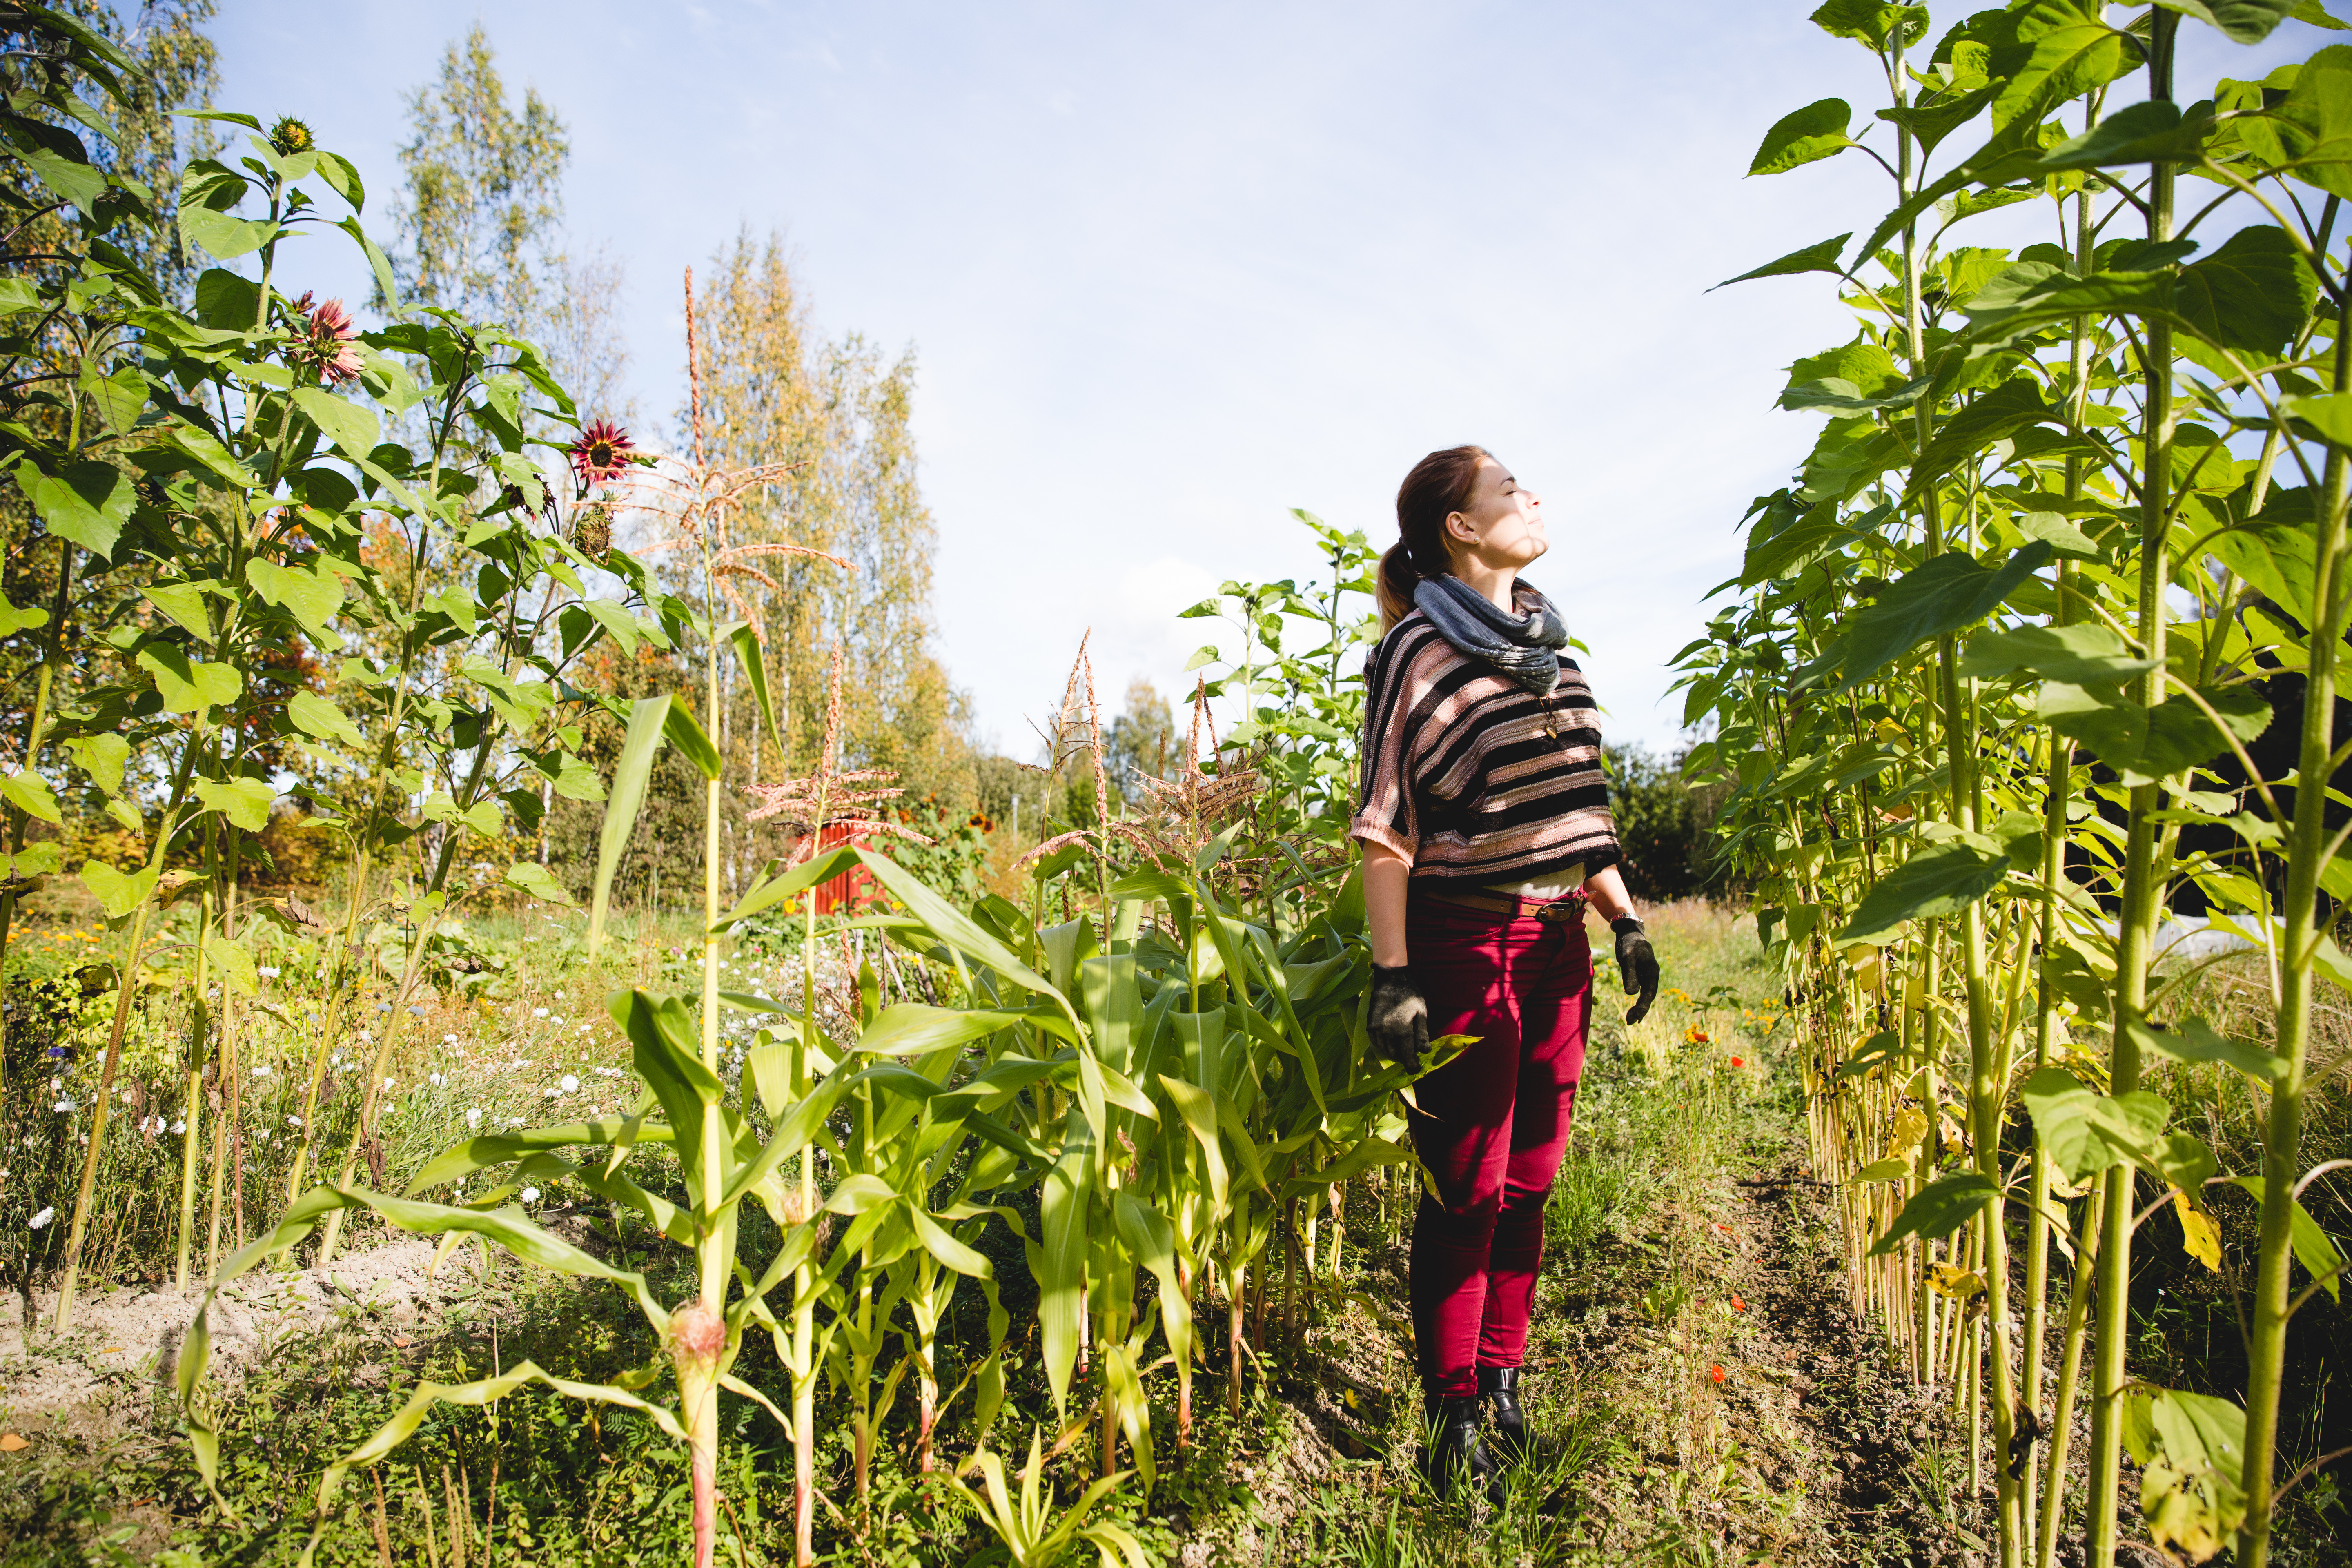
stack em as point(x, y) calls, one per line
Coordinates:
point(2053, 454)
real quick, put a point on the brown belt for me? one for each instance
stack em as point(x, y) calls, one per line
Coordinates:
point(1569, 911)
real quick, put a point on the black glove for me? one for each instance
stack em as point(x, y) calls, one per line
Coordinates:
point(1398, 1021)
point(1638, 962)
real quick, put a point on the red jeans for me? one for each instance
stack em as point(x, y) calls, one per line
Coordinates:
point(1493, 1125)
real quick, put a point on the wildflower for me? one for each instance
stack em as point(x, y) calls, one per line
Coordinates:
point(181, 1126)
point(390, 1081)
point(474, 1117)
point(539, 1011)
point(290, 136)
point(293, 1121)
point(1738, 1062)
point(1737, 1305)
point(65, 1107)
point(42, 1218)
point(603, 451)
point(529, 1195)
point(448, 1040)
point(330, 340)
point(1715, 1373)
point(570, 1083)
point(266, 971)
point(261, 1071)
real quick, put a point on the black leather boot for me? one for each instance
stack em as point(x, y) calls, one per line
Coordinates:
point(1498, 1391)
point(1452, 1451)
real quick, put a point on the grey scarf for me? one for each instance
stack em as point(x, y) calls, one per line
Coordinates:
point(1524, 646)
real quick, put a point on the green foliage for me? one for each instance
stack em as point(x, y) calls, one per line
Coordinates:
point(1664, 825)
point(2003, 682)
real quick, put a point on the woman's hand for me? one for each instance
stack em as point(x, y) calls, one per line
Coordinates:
point(1398, 1021)
point(1638, 962)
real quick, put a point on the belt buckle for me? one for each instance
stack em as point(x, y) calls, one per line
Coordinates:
point(1562, 911)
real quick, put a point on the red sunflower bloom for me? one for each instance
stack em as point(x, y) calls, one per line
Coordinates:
point(603, 451)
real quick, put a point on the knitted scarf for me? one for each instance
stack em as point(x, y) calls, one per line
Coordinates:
point(1524, 646)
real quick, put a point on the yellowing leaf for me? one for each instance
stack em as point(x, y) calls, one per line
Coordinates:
point(2200, 1236)
point(1959, 1284)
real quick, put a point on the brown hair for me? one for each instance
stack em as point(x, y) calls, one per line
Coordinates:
point(1439, 485)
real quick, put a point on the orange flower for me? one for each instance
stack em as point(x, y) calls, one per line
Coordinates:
point(1737, 1305)
point(1715, 1373)
point(1738, 1062)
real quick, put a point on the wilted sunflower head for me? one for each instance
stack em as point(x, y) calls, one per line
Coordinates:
point(591, 533)
point(602, 452)
point(290, 136)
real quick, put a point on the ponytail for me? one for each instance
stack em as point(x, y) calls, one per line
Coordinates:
point(1396, 584)
point(1439, 486)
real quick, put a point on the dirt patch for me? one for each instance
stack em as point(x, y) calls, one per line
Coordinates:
point(128, 1339)
point(1825, 1404)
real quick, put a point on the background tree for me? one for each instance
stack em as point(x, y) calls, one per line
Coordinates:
point(481, 225)
point(481, 228)
point(1142, 741)
point(774, 392)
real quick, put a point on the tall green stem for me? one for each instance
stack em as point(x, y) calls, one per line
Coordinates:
point(2143, 877)
point(2282, 1129)
point(200, 1028)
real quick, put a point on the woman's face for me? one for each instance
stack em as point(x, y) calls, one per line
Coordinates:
point(1503, 528)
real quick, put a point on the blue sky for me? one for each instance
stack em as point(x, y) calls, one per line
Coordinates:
point(1170, 270)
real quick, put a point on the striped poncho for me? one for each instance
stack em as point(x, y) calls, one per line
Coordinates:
point(1470, 776)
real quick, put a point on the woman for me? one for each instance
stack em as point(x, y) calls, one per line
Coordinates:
point(1484, 815)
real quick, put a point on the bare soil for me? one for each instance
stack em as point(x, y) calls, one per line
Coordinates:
point(127, 1340)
